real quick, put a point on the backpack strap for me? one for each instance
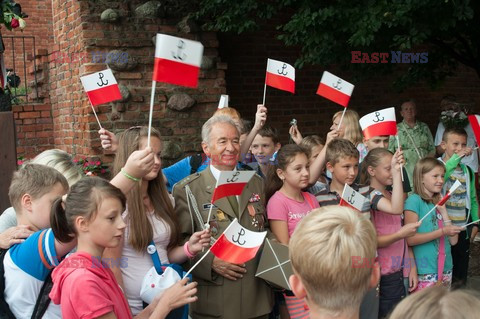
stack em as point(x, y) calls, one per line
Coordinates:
point(5, 312)
point(43, 299)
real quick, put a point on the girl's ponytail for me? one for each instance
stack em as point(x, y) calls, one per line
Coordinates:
point(58, 221)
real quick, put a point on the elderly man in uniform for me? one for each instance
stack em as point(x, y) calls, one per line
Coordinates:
point(225, 290)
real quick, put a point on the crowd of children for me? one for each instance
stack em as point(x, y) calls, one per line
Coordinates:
point(347, 264)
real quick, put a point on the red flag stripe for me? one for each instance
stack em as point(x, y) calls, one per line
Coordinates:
point(346, 204)
point(228, 190)
point(104, 95)
point(444, 199)
point(280, 82)
point(232, 253)
point(384, 128)
point(473, 119)
point(175, 73)
point(333, 94)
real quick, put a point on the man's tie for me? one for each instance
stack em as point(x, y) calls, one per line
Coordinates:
point(234, 203)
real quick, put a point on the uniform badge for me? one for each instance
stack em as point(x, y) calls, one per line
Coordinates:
point(213, 227)
point(251, 212)
point(254, 198)
point(207, 206)
point(220, 215)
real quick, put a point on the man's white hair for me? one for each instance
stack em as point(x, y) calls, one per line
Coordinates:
point(207, 127)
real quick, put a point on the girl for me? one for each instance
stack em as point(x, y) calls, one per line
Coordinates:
point(83, 284)
point(381, 169)
point(149, 217)
point(287, 204)
point(350, 130)
point(431, 243)
point(315, 145)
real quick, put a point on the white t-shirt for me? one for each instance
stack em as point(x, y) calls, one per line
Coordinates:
point(137, 264)
point(471, 160)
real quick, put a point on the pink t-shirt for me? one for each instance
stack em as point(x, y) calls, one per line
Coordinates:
point(390, 258)
point(86, 288)
point(280, 207)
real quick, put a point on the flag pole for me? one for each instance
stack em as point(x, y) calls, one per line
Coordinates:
point(401, 166)
point(341, 119)
point(196, 264)
point(95, 113)
point(478, 220)
point(431, 210)
point(264, 92)
point(152, 99)
point(207, 225)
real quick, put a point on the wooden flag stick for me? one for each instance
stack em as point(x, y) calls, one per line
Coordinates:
point(401, 166)
point(152, 99)
point(95, 113)
point(341, 119)
point(264, 92)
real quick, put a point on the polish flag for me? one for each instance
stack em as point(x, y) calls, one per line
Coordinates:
point(475, 123)
point(231, 183)
point(280, 75)
point(177, 60)
point(223, 103)
point(237, 244)
point(351, 198)
point(335, 89)
point(449, 193)
point(377, 123)
point(101, 87)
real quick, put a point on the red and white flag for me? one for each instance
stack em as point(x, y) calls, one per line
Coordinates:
point(475, 124)
point(3, 71)
point(377, 123)
point(449, 193)
point(231, 183)
point(280, 75)
point(223, 101)
point(101, 87)
point(237, 244)
point(177, 60)
point(335, 89)
point(351, 198)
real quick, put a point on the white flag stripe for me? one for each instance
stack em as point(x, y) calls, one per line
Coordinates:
point(353, 197)
point(385, 115)
point(249, 239)
point(188, 51)
point(96, 80)
point(454, 187)
point(280, 68)
point(227, 177)
point(332, 80)
point(223, 101)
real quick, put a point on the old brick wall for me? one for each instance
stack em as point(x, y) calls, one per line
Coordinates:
point(246, 56)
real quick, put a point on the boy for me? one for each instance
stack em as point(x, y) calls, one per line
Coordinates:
point(27, 265)
point(341, 158)
point(264, 145)
point(462, 206)
point(332, 252)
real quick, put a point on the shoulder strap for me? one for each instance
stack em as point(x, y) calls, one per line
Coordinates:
point(5, 312)
point(309, 199)
point(152, 251)
point(43, 299)
point(195, 162)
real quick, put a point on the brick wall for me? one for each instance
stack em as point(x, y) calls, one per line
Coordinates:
point(246, 57)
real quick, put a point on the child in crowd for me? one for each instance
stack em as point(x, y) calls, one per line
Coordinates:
point(439, 303)
point(149, 217)
point(380, 168)
point(27, 265)
point(83, 284)
point(431, 243)
point(350, 129)
point(287, 204)
point(324, 251)
point(264, 145)
point(462, 206)
point(315, 145)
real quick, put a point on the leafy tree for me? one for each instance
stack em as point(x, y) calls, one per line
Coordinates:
point(328, 31)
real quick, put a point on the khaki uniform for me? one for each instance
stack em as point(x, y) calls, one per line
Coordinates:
point(219, 297)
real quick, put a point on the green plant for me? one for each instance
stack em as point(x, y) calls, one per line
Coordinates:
point(12, 15)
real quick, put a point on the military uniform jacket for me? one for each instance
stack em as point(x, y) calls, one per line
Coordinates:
point(219, 297)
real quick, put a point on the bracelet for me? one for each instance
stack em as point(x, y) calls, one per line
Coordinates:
point(130, 177)
point(187, 251)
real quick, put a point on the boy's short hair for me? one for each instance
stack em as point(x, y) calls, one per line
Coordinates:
point(311, 141)
point(454, 130)
point(268, 131)
point(323, 249)
point(35, 180)
point(340, 148)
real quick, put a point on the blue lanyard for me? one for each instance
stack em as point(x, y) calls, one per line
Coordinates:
point(152, 251)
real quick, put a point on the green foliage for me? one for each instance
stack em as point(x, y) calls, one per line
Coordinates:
point(327, 31)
